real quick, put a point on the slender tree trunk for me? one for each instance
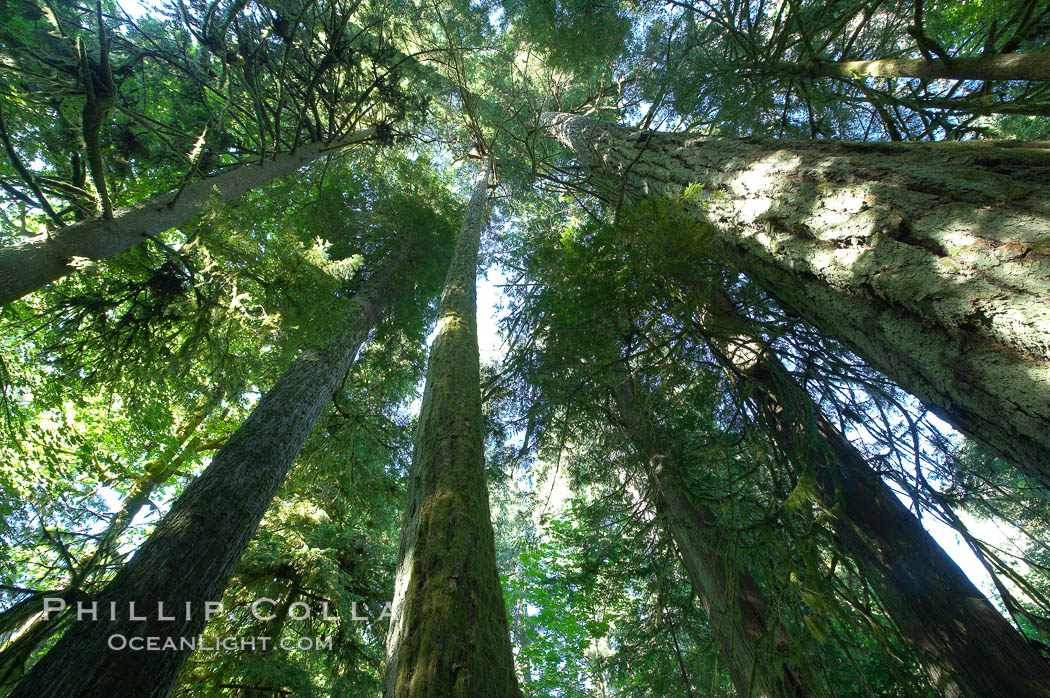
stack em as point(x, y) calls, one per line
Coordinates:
point(931, 261)
point(13, 619)
point(880, 99)
point(735, 605)
point(190, 557)
point(976, 106)
point(1006, 66)
point(966, 647)
point(158, 472)
point(520, 637)
point(687, 683)
point(448, 632)
point(963, 106)
point(28, 266)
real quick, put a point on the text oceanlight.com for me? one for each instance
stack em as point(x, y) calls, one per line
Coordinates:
point(203, 644)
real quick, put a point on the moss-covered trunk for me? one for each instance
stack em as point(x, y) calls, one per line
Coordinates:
point(448, 633)
point(192, 554)
point(966, 647)
point(931, 261)
point(759, 663)
point(28, 266)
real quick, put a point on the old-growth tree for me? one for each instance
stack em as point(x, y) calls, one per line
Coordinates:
point(924, 259)
point(448, 634)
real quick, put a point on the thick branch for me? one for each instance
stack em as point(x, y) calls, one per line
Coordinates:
point(1011, 66)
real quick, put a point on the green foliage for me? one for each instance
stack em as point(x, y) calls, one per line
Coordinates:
point(639, 294)
point(573, 32)
point(124, 381)
point(741, 69)
point(597, 605)
point(99, 106)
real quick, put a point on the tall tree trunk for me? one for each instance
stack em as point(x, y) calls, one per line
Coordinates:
point(931, 261)
point(448, 632)
point(1004, 66)
point(735, 605)
point(978, 105)
point(28, 266)
point(963, 106)
point(520, 637)
point(192, 554)
point(966, 647)
point(974, 106)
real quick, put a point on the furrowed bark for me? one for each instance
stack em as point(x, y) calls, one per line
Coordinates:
point(965, 646)
point(1006, 66)
point(735, 605)
point(192, 554)
point(930, 261)
point(448, 632)
point(30, 265)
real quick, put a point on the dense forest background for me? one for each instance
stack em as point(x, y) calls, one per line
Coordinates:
point(768, 408)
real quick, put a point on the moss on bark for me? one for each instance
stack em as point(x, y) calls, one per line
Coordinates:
point(448, 632)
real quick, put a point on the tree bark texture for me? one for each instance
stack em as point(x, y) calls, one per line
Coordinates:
point(30, 265)
point(192, 554)
point(448, 632)
point(735, 605)
point(965, 646)
point(1004, 66)
point(930, 261)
